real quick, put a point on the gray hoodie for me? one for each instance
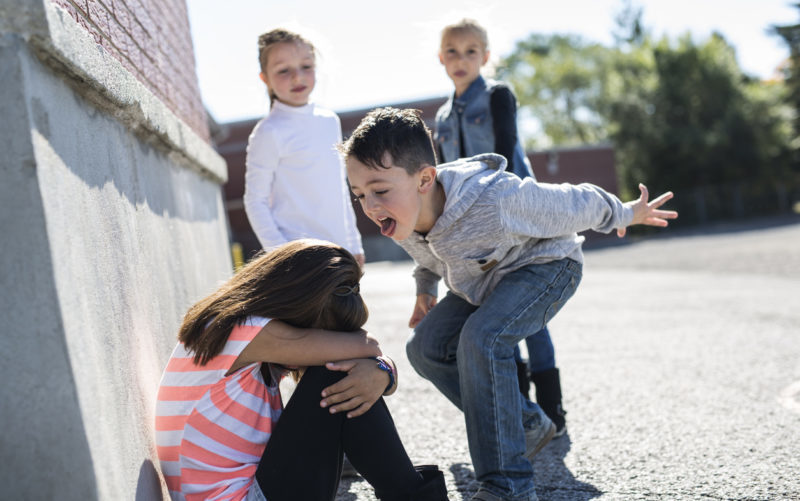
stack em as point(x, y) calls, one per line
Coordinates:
point(494, 223)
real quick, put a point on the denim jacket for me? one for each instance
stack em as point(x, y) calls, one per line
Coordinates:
point(471, 113)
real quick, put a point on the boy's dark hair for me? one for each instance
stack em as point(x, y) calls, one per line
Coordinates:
point(400, 133)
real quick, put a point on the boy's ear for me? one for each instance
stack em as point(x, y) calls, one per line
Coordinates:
point(263, 78)
point(485, 56)
point(427, 178)
point(441, 57)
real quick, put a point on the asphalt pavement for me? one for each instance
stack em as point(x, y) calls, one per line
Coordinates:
point(680, 367)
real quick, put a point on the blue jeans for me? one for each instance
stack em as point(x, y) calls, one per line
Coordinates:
point(541, 354)
point(467, 352)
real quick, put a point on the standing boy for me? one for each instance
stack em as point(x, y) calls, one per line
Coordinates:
point(481, 117)
point(508, 251)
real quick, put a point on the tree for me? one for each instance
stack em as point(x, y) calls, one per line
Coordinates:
point(712, 133)
point(681, 115)
point(791, 36)
point(558, 80)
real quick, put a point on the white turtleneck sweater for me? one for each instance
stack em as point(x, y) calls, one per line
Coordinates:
point(295, 184)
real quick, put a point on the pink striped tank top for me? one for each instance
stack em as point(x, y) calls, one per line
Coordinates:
point(211, 429)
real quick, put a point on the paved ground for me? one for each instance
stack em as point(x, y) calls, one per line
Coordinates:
point(680, 362)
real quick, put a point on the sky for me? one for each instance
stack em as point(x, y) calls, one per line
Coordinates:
point(376, 52)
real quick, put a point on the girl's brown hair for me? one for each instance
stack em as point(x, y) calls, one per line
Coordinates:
point(305, 283)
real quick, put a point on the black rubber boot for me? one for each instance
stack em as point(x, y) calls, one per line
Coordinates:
point(524, 379)
point(432, 488)
point(548, 396)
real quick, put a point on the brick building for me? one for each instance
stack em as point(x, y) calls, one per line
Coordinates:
point(593, 164)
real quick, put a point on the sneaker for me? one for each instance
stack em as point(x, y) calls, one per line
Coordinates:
point(484, 495)
point(538, 437)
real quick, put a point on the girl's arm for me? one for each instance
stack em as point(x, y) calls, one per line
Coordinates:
point(503, 106)
point(262, 162)
point(280, 343)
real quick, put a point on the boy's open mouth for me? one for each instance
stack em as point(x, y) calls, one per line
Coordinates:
point(388, 225)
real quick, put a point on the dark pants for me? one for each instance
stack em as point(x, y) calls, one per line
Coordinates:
point(303, 457)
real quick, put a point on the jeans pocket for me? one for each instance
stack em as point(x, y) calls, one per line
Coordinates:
point(569, 278)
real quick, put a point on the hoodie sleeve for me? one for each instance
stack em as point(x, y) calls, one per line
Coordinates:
point(542, 210)
point(427, 281)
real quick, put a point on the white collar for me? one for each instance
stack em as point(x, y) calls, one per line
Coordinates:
point(305, 109)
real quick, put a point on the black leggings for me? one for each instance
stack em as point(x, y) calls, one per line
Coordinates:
point(303, 457)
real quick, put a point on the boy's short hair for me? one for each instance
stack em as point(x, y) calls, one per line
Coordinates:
point(467, 26)
point(400, 133)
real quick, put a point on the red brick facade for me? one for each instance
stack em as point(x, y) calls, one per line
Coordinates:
point(152, 40)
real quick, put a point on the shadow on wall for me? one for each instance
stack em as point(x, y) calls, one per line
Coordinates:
point(134, 168)
point(148, 487)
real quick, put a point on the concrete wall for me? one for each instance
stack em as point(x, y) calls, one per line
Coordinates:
point(112, 224)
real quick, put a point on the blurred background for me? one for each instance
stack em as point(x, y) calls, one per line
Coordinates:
point(697, 97)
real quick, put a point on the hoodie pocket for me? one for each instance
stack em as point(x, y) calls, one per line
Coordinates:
point(484, 263)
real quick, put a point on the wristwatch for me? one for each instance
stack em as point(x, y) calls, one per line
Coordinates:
point(385, 366)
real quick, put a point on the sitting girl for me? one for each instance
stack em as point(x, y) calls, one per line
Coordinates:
point(218, 430)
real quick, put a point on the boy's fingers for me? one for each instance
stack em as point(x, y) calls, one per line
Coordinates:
point(665, 214)
point(661, 200)
point(644, 192)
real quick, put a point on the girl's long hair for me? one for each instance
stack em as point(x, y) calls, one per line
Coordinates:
point(305, 283)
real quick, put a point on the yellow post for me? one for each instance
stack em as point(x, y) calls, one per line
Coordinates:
point(238, 255)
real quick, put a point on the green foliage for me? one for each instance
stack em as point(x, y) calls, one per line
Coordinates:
point(681, 115)
point(558, 79)
point(791, 72)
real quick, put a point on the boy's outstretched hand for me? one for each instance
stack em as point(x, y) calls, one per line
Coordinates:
point(648, 213)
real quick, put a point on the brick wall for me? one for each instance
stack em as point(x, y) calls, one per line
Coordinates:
point(152, 40)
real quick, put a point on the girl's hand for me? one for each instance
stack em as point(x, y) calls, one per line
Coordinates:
point(424, 304)
point(648, 213)
point(359, 390)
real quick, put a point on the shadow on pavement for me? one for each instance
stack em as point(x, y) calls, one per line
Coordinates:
point(554, 481)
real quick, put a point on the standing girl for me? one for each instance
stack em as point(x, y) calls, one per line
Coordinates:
point(295, 182)
point(218, 430)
